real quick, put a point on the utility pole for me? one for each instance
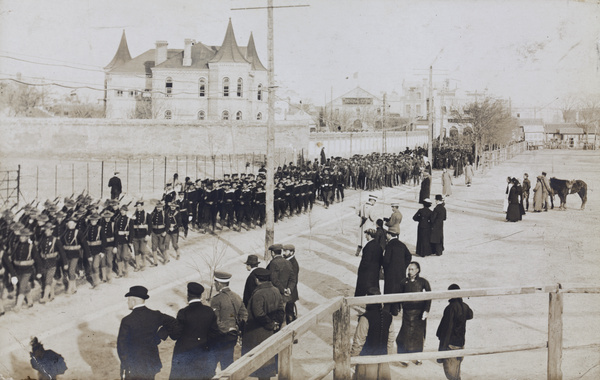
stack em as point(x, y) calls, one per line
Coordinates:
point(383, 142)
point(270, 177)
point(430, 116)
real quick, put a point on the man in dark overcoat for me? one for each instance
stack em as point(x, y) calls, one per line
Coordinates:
point(115, 186)
point(425, 187)
point(265, 315)
point(438, 215)
point(290, 306)
point(251, 264)
point(283, 276)
point(395, 260)
point(195, 332)
point(139, 336)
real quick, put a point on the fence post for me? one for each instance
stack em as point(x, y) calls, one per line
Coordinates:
point(140, 165)
point(152, 174)
point(18, 183)
point(87, 184)
point(37, 182)
point(163, 186)
point(285, 363)
point(101, 180)
point(73, 178)
point(555, 335)
point(127, 188)
point(341, 343)
point(55, 180)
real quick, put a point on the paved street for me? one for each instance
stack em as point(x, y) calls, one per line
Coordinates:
point(481, 251)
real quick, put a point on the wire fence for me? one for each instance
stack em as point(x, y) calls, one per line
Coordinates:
point(140, 177)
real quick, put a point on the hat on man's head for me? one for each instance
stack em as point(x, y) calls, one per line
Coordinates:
point(252, 260)
point(138, 291)
point(543, 173)
point(262, 274)
point(160, 204)
point(139, 203)
point(116, 173)
point(395, 204)
point(222, 276)
point(275, 247)
point(194, 289)
point(453, 287)
point(94, 216)
point(106, 214)
point(24, 232)
point(48, 226)
point(124, 208)
point(372, 197)
point(439, 197)
point(42, 218)
point(289, 247)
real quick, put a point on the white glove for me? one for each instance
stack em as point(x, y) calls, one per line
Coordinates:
point(146, 238)
point(14, 280)
point(38, 276)
point(425, 315)
point(115, 250)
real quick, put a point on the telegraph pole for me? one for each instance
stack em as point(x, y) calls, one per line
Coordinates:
point(430, 116)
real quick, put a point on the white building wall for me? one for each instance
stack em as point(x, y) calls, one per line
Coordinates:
point(121, 94)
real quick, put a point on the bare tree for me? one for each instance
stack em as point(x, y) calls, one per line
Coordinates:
point(19, 99)
point(568, 107)
point(211, 261)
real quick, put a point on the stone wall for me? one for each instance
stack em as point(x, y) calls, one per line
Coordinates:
point(109, 138)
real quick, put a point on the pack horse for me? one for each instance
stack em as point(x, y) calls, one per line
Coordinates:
point(563, 187)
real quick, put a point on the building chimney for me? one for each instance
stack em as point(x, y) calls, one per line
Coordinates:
point(160, 54)
point(187, 52)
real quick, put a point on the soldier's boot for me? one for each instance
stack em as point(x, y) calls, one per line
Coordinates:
point(154, 259)
point(120, 269)
point(95, 280)
point(1, 306)
point(72, 286)
point(29, 301)
point(125, 268)
point(46, 296)
point(141, 261)
point(358, 249)
point(177, 254)
point(51, 290)
point(165, 257)
point(20, 299)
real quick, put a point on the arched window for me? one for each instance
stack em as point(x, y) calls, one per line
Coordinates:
point(168, 114)
point(238, 115)
point(259, 116)
point(259, 92)
point(201, 115)
point(225, 115)
point(202, 87)
point(240, 88)
point(225, 86)
point(169, 86)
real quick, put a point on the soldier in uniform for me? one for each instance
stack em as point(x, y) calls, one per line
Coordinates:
point(244, 201)
point(227, 213)
point(49, 249)
point(158, 220)
point(291, 314)
point(123, 238)
point(73, 241)
point(173, 223)
point(231, 318)
point(22, 257)
point(182, 205)
point(279, 204)
point(7, 272)
point(109, 245)
point(211, 198)
point(141, 233)
point(94, 251)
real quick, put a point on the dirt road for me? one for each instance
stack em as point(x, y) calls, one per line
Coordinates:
point(481, 251)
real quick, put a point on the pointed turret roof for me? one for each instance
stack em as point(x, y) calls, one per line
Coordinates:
point(121, 56)
point(229, 51)
point(252, 55)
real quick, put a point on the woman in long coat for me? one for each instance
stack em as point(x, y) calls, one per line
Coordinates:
point(446, 183)
point(370, 265)
point(411, 337)
point(425, 187)
point(538, 198)
point(513, 213)
point(423, 216)
point(438, 215)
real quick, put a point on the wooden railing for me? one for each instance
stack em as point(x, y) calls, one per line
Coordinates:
point(338, 309)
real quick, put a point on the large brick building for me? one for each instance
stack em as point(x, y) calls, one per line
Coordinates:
point(201, 82)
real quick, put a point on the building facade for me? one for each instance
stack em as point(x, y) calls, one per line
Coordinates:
point(198, 82)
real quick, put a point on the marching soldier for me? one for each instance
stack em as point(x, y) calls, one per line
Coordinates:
point(227, 213)
point(49, 250)
point(173, 223)
point(109, 245)
point(231, 318)
point(123, 239)
point(22, 257)
point(94, 251)
point(141, 233)
point(158, 220)
point(244, 204)
point(73, 242)
point(182, 204)
point(260, 202)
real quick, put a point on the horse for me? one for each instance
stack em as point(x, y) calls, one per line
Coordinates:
point(564, 187)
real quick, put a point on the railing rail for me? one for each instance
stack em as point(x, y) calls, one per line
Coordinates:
point(338, 309)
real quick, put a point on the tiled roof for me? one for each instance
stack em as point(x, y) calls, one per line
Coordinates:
point(229, 51)
point(121, 56)
point(143, 62)
point(571, 131)
point(201, 55)
point(252, 56)
point(533, 128)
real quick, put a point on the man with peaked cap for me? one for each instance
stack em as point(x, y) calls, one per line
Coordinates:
point(22, 257)
point(367, 219)
point(109, 245)
point(182, 208)
point(140, 334)
point(265, 315)
point(438, 215)
point(231, 318)
point(393, 222)
point(94, 252)
point(115, 186)
point(49, 249)
point(195, 331)
point(282, 273)
point(173, 224)
point(251, 265)
point(291, 314)
point(73, 241)
point(141, 233)
point(158, 220)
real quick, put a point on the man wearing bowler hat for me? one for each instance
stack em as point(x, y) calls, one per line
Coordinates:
point(139, 336)
point(251, 265)
point(438, 216)
point(195, 332)
point(289, 253)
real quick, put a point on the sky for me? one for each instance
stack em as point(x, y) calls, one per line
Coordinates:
point(535, 52)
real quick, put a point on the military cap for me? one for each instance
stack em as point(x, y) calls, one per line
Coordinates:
point(262, 274)
point(73, 218)
point(275, 247)
point(48, 226)
point(69, 203)
point(107, 214)
point(395, 204)
point(139, 203)
point(42, 218)
point(60, 214)
point(289, 247)
point(94, 216)
point(160, 204)
point(453, 287)
point(252, 260)
point(173, 204)
point(222, 276)
point(234, 175)
point(372, 196)
point(194, 289)
point(24, 232)
point(138, 291)
point(124, 208)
